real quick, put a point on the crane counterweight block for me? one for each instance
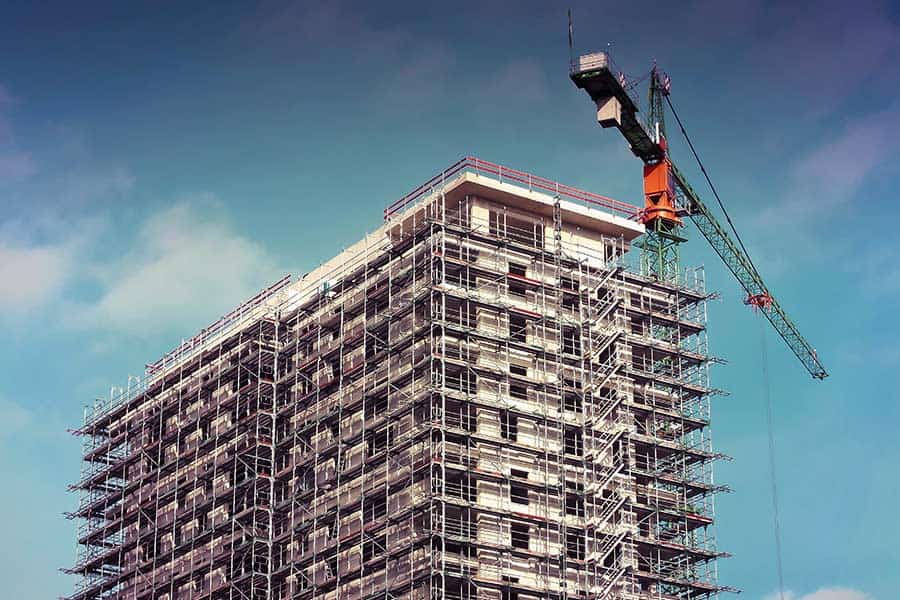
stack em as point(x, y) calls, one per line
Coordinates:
point(609, 111)
point(615, 108)
point(659, 194)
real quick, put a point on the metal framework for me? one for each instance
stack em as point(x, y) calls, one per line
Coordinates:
point(616, 108)
point(478, 400)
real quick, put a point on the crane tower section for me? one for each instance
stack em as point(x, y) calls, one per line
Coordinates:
point(615, 108)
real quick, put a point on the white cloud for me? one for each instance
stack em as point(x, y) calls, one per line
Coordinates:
point(39, 257)
point(830, 593)
point(32, 275)
point(827, 179)
point(181, 267)
point(835, 171)
point(92, 182)
point(186, 266)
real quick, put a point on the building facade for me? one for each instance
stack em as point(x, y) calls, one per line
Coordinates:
point(477, 400)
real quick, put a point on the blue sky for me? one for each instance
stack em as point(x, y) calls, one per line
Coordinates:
point(159, 164)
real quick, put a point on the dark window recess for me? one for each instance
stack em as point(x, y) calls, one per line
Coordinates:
point(455, 548)
point(373, 347)
point(613, 558)
point(518, 328)
point(518, 370)
point(574, 444)
point(460, 486)
point(458, 252)
point(612, 252)
point(572, 401)
point(374, 547)
point(606, 396)
point(375, 508)
point(525, 231)
point(461, 314)
point(605, 357)
point(333, 529)
point(575, 545)
point(509, 425)
point(303, 582)
point(520, 270)
point(572, 383)
point(574, 499)
point(379, 440)
point(506, 593)
point(518, 493)
point(567, 283)
point(517, 390)
point(618, 451)
point(376, 406)
point(518, 473)
point(463, 381)
point(570, 301)
point(332, 566)
point(309, 479)
point(496, 224)
point(461, 278)
point(520, 230)
point(519, 535)
point(458, 414)
point(518, 289)
point(571, 341)
point(458, 213)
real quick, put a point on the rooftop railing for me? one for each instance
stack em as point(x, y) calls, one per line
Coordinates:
point(472, 164)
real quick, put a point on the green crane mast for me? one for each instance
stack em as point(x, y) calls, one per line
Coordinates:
point(669, 196)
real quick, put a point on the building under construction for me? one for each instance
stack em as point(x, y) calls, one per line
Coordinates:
point(478, 400)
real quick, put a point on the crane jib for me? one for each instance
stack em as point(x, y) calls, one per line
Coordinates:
point(609, 95)
point(747, 276)
point(615, 108)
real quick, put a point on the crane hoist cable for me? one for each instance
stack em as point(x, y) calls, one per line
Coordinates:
point(708, 180)
point(773, 481)
point(767, 394)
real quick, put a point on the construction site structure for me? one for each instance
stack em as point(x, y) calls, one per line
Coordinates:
point(668, 196)
point(477, 400)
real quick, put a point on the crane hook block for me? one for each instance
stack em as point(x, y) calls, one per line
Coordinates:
point(759, 301)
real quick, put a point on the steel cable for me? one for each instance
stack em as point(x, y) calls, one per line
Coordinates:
point(767, 395)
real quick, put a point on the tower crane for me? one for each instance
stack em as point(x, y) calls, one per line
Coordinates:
point(668, 197)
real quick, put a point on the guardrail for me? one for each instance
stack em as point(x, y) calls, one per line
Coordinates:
point(213, 330)
point(503, 174)
point(137, 385)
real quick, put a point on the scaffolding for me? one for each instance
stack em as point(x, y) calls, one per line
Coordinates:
point(478, 400)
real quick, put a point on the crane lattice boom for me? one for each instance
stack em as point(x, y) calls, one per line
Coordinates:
point(616, 108)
